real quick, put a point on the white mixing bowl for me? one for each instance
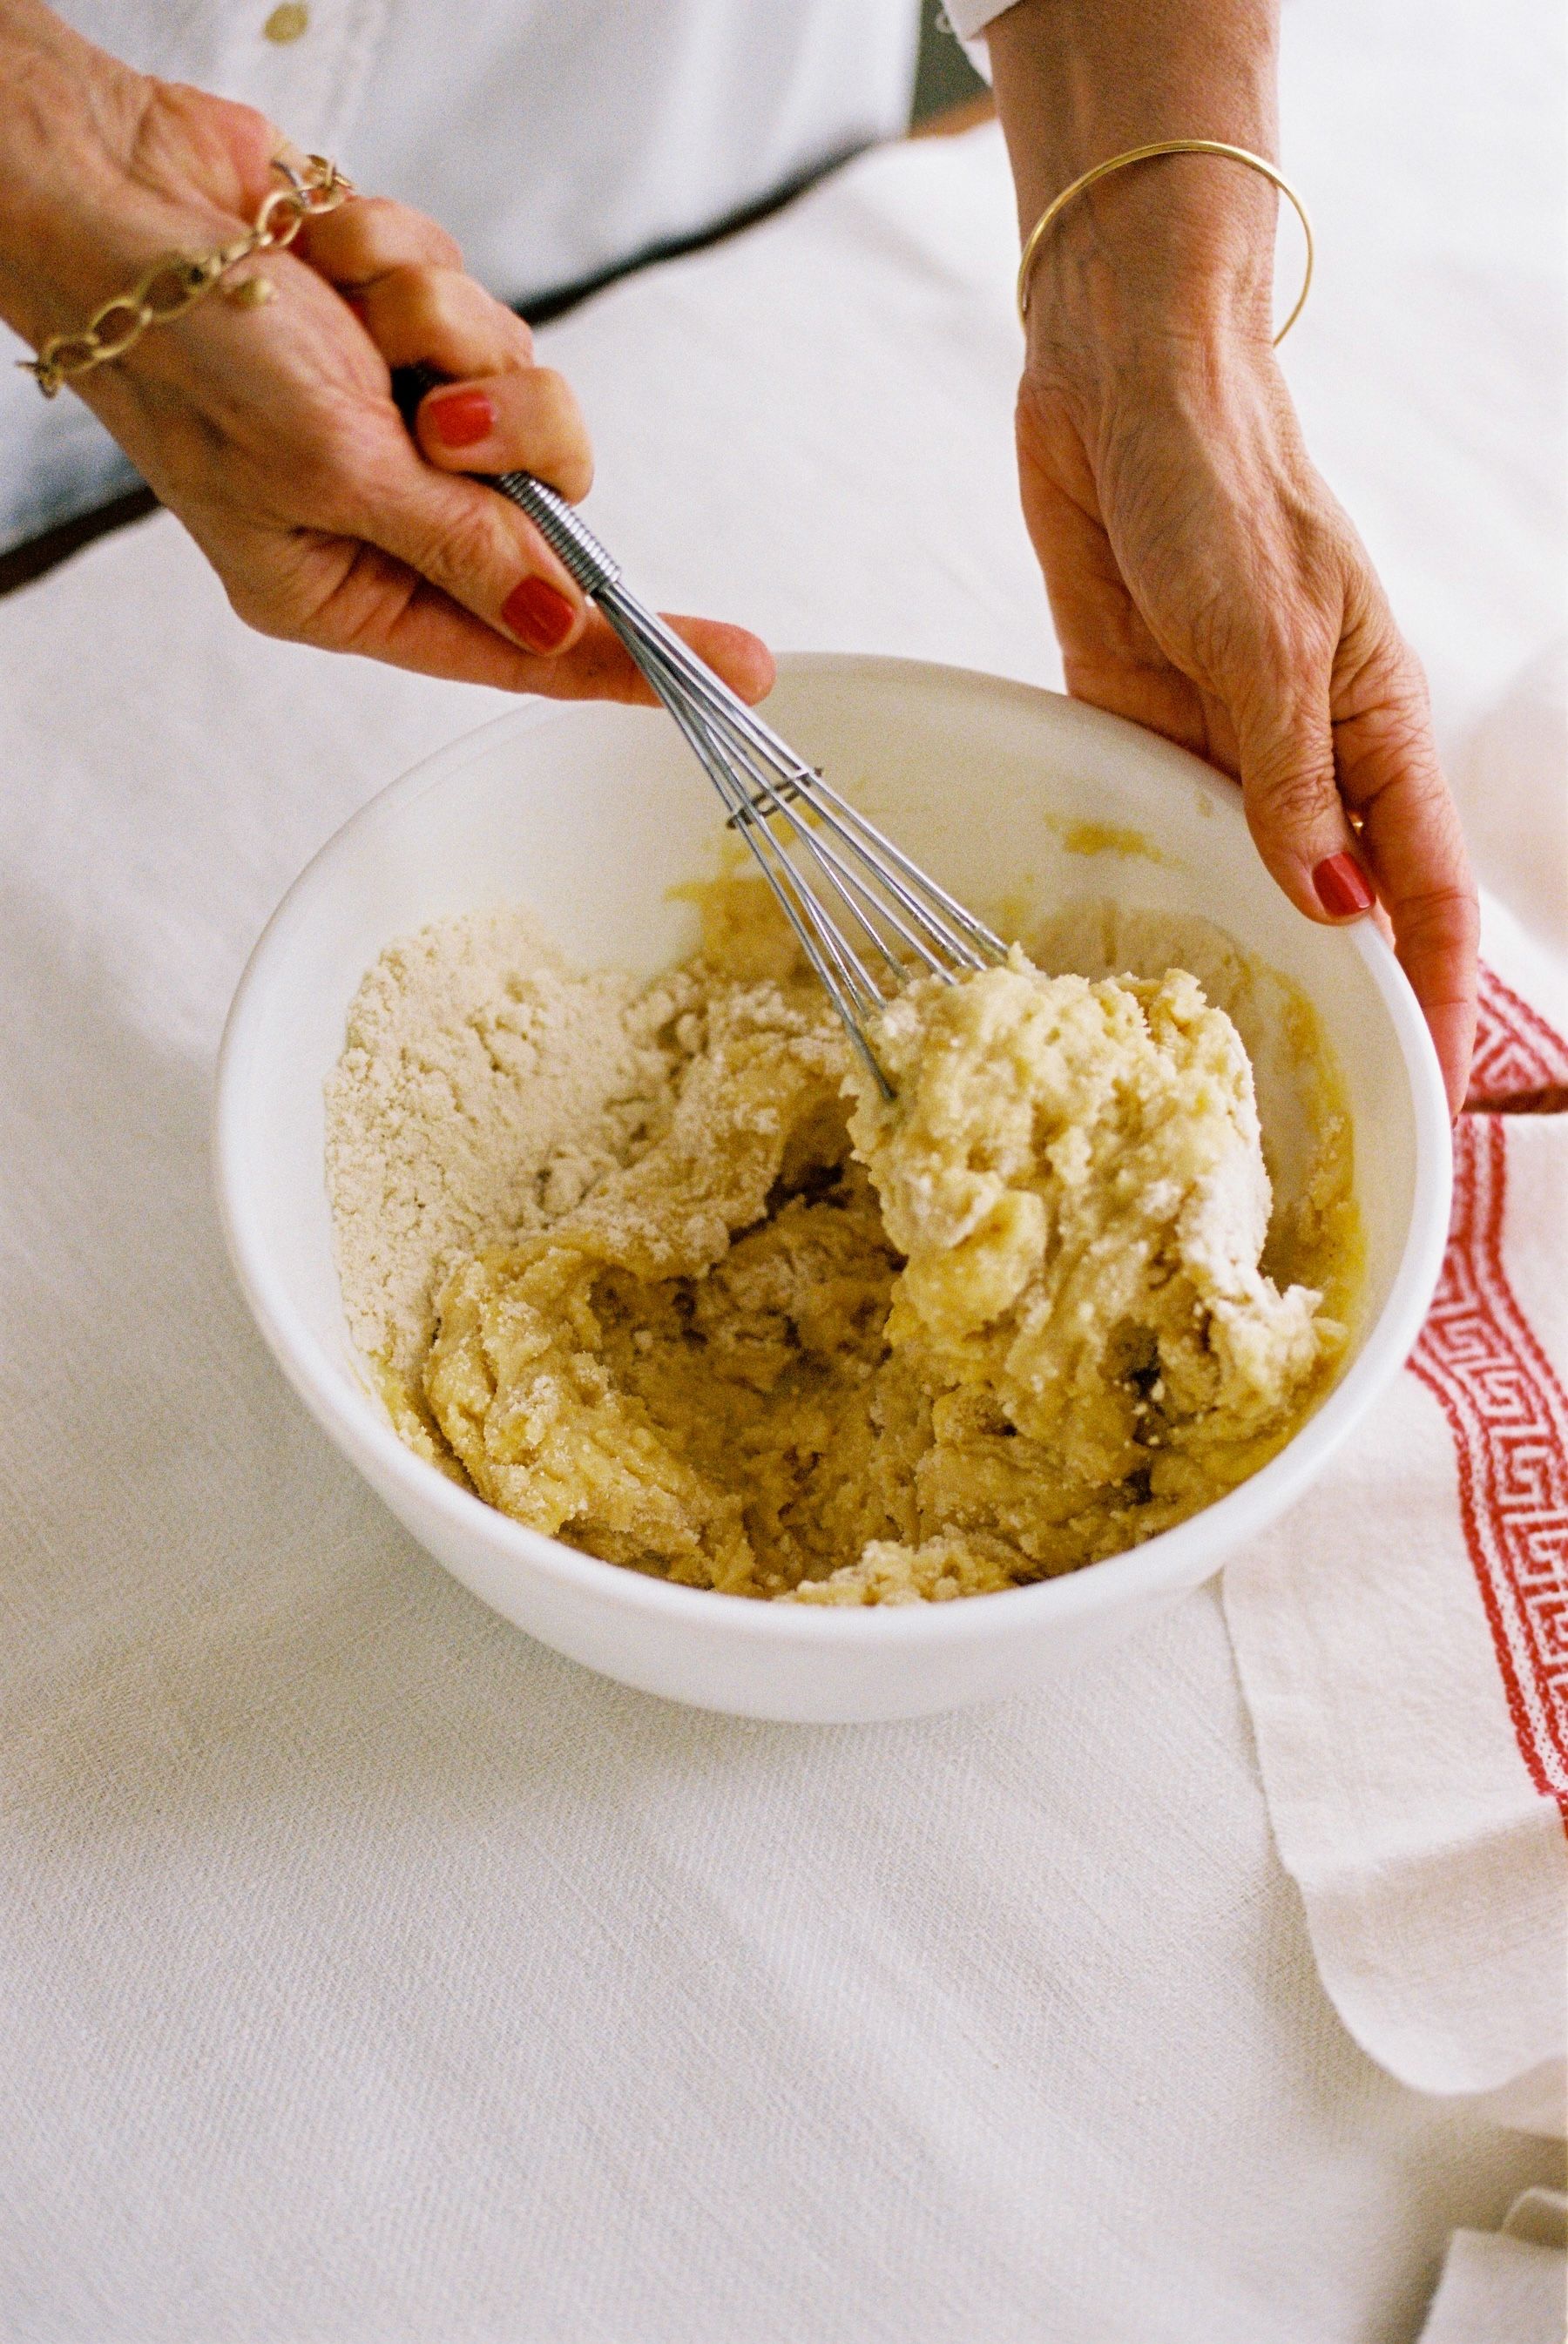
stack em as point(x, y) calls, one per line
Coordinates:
point(589, 817)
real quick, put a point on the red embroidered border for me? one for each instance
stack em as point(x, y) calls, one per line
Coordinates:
point(1517, 1052)
point(1504, 1406)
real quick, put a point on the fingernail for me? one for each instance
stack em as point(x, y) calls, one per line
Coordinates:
point(1341, 886)
point(538, 615)
point(462, 418)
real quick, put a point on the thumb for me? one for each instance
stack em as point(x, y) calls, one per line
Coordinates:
point(478, 549)
point(1294, 810)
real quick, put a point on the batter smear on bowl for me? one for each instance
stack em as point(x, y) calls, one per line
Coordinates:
point(657, 1271)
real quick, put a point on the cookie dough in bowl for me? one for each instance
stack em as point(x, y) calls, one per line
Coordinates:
point(662, 1273)
point(532, 887)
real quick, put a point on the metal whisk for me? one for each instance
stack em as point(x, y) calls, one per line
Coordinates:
point(867, 917)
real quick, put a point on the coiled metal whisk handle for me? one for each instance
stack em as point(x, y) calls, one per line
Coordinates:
point(568, 536)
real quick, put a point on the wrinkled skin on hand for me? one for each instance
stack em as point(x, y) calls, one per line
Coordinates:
point(1204, 583)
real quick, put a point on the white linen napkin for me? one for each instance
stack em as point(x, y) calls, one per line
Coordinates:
point(1507, 2286)
point(1403, 1637)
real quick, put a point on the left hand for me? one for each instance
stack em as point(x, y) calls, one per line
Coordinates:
point(1204, 583)
point(272, 431)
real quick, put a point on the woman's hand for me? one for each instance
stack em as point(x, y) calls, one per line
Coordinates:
point(1202, 579)
point(271, 430)
point(1204, 583)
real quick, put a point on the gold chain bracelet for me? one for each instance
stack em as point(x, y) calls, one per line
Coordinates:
point(1055, 209)
point(179, 280)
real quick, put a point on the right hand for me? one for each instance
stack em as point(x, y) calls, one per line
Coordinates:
point(272, 431)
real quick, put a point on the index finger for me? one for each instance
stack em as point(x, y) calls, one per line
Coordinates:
point(1411, 835)
point(370, 236)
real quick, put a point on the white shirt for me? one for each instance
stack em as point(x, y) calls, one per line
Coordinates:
point(554, 138)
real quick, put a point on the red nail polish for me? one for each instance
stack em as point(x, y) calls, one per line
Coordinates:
point(538, 615)
point(1341, 886)
point(461, 417)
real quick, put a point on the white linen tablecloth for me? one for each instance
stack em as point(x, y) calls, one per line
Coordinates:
point(367, 1972)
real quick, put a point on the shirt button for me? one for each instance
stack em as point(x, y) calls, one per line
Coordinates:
point(287, 23)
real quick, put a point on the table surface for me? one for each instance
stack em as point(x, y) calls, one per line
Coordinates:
point(370, 1972)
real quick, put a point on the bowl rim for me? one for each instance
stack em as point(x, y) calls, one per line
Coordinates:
point(1173, 1559)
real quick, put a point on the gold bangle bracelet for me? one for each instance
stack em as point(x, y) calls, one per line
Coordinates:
point(1055, 209)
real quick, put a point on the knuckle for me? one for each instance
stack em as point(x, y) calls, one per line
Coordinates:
point(444, 249)
point(1374, 665)
point(457, 551)
point(556, 421)
point(388, 237)
point(1393, 775)
point(1447, 915)
point(249, 127)
point(177, 125)
point(266, 612)
point(555, 393)
point(1294, 796)
point(1412, 697)
point(448, 316)
point(1410, 671)
point(1408, 745)
point(373, 217)
point(415, 294)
